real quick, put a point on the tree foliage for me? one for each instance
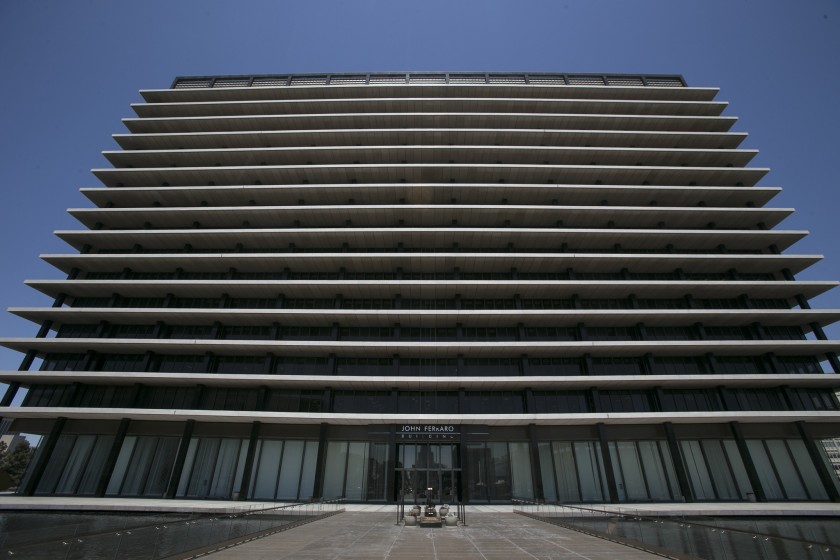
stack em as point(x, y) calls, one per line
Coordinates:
point(14, 462)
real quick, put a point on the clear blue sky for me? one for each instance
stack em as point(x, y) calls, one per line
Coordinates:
point(69, 70)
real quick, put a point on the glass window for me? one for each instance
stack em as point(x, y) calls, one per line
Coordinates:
point(240, 364)
point(520, 470)
point(590, 467)
point(715, 469)
point(356, 470)
point(290, 469)
point(75, 465)
point(213, 468)
point(615, 366)
point(266, 465)
point(143, 466)
point(284, 470)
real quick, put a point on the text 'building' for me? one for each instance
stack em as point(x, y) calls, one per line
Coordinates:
point(541, 286)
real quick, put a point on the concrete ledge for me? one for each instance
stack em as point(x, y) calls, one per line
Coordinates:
point(12, 502)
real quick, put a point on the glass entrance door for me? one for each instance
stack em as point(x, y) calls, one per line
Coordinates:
point(427, 469)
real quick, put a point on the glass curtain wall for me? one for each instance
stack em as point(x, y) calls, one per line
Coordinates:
point(573, 472)
point(213, 468)
point(498, 471)
point(356, 471)
point(284, 470)
point(144, 466)
point(644, 471)
point(75, 465)
point(785, 469)
point(715, 470)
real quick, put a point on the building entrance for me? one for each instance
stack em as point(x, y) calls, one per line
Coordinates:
point(421, 466)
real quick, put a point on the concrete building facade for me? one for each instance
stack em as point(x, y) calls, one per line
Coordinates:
point(546, 286)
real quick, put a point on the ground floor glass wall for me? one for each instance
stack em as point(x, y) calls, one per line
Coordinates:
point(573, 472)
point(284, 464)
point(356, 470)
point(498, 471)
point(785, 469)
point(213, 468)
point(284, 470)
point(715, 470)
point(144, 466)
point(644, 471)
point(75, 466)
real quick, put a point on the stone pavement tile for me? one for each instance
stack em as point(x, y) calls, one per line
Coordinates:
point(372, 536)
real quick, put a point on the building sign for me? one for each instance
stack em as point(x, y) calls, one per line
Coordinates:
point(428, 432)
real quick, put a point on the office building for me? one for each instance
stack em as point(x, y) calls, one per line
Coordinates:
point(548, 286)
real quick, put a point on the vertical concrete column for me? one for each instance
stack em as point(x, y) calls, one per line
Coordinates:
point(180, 458)
point(249, 461)
point(612, 487)
point(679, 464)
point(536, 467)
point(320, 463)
point(391, 463)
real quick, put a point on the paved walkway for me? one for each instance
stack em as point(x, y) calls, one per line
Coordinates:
point(371, 536)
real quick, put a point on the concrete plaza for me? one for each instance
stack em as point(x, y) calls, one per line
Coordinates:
point(356, 535)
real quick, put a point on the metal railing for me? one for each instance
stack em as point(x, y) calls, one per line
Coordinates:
point(426, 78)
point(190, 536)
point(691, 537)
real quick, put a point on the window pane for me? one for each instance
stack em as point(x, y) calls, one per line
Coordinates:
point(161, 466)
point(267, 464)
point(121, 466)
point(222, 484)
point(807, 470)
point(290, 470)
point(698, 474)
point(135, 480)
point(307, 480)
point(499, 471)
point(376, 475)
point(61, 451)
point(655, 472)
point(547, 472)
point(75, 464)
point(334, 471)
point(95, 464)
point(769, 482)
point(567, 473)
point(203, 466)
point(356, 470)
point(590, 470)
point(477, 471)
point(189, 460)
point(520, 470)
point(787, 471)
point(628, 470)
point(722, 478)
point(738, 468)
